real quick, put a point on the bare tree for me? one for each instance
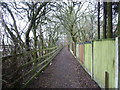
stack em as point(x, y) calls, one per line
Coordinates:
point(109, 7)
point(104, 19)
point(98, 20)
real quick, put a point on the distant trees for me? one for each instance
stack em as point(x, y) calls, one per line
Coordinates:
point(77, 22)
point(68, 18)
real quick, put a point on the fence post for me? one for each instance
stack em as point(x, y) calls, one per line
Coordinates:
point(0, 59)
point(106, 81)
point(117, 64)
point(92, 61)
point(68, 47)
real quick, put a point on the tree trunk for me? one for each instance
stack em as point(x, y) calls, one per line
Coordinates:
point(104, 19)
point(98, 20)
point(119, 19)
point(74, 40)
point(35, 38)
point(109, 7)
point(42, 42)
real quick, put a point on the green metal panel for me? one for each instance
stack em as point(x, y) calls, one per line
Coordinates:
point(77, 50)
point(88, 56)
point(104, 60)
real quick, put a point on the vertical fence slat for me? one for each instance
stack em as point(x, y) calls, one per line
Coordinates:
point(77, 51)
point(117, 64)
point(81, 54)
point(92, 73)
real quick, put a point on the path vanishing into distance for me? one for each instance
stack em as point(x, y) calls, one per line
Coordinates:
point(64, 72)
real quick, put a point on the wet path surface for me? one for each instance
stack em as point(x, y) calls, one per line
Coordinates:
point(64, 72)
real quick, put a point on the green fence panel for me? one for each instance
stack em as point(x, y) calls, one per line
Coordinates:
point(81, 53)
point(104, 61)
point(77, 51)
point(71, 46)
point(88, 56)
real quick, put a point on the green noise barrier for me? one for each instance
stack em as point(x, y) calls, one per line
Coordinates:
point(101, 57)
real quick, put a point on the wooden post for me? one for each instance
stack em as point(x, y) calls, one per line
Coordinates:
point(68, 47)
point(106, 81)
